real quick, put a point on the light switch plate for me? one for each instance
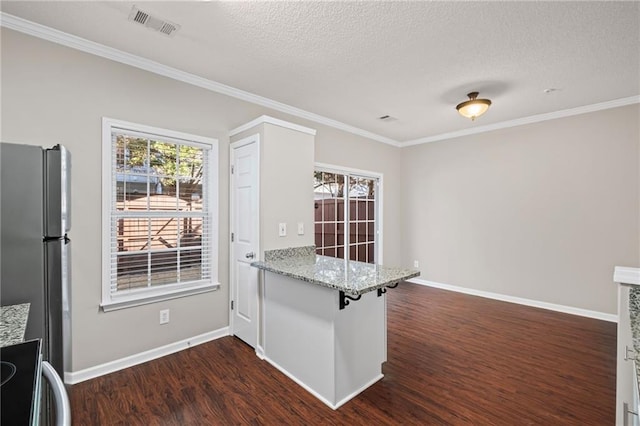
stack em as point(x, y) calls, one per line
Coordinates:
point(300, 228)
point(164, 316)
point(282, 229)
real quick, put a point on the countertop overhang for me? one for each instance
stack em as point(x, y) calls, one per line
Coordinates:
point(351, 277)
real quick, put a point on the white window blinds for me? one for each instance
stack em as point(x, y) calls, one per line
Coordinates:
point(160, 218)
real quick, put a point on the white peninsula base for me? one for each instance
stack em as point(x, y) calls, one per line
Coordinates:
point(333, 353)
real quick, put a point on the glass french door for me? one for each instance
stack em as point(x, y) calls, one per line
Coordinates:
point(346, 212)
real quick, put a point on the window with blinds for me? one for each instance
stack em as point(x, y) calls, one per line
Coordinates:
point(160, 197)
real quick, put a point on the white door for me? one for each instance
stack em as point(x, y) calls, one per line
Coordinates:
point(245, 157)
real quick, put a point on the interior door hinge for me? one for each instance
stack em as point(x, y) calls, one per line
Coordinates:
point(232, 305)
point(232, 237)
point(232, 168)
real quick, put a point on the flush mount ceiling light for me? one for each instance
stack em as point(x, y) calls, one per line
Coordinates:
point(473, 107)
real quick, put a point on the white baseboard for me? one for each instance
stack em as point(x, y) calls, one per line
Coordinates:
point(316, 394)
point(260, 352)
point(355, 393)
point(295, 379)
point(519, 300)
point(129, 361)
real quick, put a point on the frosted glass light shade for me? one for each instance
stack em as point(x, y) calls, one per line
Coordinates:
point(473, 107)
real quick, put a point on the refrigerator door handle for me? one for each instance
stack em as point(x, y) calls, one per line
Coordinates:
point(63, 407)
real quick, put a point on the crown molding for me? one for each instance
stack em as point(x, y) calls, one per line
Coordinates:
point(271, 120)
point(46, 33)
point(525, 120)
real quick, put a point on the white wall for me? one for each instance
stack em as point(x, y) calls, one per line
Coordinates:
point(542, 211)
point(287, 187)
point(53, 94)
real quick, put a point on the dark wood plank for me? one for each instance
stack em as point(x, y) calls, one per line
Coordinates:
point(453, 359)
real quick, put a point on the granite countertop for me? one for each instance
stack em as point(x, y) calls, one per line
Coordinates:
point(351, 277)
point(13, 323)
point(634, 313)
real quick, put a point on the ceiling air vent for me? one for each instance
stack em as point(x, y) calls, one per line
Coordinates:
point(153, 22)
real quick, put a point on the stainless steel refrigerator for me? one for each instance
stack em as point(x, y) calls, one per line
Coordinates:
point(34, 245)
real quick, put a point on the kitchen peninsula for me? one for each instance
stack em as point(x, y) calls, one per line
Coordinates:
point(324, 320)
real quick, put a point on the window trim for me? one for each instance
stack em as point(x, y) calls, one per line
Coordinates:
point(145, 296)
point(330, 168)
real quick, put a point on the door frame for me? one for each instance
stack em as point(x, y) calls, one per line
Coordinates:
point(232, 288)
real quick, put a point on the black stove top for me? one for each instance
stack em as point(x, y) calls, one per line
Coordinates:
point(19, 370)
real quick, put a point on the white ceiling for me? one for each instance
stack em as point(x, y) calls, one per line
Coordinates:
point(356, 61)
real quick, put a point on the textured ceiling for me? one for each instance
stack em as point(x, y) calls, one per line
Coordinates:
point(356, 61)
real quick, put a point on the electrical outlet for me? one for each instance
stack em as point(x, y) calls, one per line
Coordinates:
point(164, 316)
point(300, 228)
point(416, 264)
point(282, 229)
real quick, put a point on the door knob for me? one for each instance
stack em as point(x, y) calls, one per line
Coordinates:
point(250, 255)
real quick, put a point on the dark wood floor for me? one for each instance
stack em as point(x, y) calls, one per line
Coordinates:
point(453, 359)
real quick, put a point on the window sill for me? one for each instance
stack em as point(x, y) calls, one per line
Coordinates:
point(130, 301)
